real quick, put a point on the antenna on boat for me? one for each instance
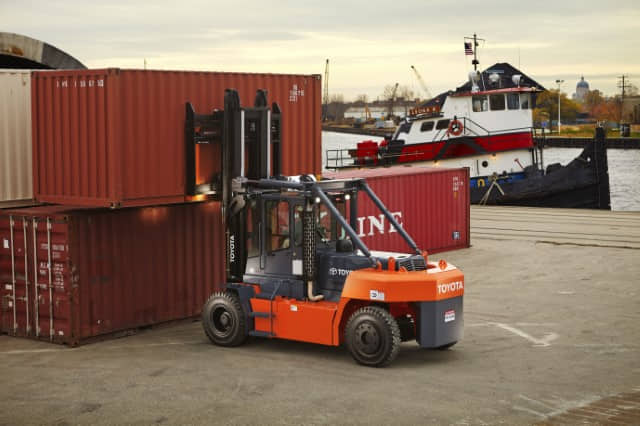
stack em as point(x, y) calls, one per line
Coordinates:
point(474, 49)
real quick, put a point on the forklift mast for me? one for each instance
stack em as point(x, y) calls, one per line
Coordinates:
point(252, 135)
point(244, 135)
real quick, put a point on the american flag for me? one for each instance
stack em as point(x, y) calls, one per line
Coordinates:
point(468, 50)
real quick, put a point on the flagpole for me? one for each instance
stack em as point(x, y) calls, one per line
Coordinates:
point(475, 61)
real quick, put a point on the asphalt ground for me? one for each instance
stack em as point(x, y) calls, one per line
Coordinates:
point(552, 332)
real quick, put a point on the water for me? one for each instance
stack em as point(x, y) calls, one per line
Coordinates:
point(624, 165)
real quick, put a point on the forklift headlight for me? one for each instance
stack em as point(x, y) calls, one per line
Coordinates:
point(347, 197)
point(317, 200)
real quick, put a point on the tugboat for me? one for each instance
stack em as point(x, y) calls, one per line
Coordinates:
point(487, 125)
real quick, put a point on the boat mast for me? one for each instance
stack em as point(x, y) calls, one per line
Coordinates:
point(475, 39)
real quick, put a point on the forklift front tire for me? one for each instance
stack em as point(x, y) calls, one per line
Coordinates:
point(224, 320)
point(372, 336)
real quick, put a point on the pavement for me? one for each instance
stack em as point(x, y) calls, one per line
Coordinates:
point(552, 332)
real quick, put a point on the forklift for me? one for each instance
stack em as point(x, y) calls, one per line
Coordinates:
point(295, 267)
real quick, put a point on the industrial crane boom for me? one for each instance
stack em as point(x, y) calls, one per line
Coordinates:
point(422, 83)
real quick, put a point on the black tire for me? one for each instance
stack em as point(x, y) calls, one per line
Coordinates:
point(445, 347)
point(224, 320)
point(372, 336)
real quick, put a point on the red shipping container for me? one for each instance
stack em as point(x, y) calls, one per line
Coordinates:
point(109, 138)
point(431, 204)
point(110, 270)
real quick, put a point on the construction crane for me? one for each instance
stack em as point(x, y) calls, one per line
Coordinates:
point(425, 89)
point(325, 95)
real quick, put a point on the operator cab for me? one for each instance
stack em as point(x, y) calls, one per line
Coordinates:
point(275, 245)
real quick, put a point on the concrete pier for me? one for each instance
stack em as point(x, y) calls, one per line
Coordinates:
point(552, 333)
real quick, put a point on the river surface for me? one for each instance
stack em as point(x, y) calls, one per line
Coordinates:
point(624, 166)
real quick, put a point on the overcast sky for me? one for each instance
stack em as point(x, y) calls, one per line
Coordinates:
point(370, 44)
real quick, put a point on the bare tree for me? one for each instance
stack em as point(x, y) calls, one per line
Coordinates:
point(405, 92)
point(362, 99)
point(337, 98)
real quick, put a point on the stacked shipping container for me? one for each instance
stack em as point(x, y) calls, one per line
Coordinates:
point(110, 270)
point(115, 138)
point(110, 138)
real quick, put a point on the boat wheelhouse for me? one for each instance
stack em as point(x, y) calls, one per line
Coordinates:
point(485, 124)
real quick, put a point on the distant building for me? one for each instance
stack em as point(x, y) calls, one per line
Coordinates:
point(375, 112)
point(582, 88)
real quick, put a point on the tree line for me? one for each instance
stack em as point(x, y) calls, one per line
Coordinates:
point(595, 106)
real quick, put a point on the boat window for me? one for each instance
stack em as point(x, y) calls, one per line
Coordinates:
point(442, 124)
point(524, 100)
point(513, 101)
point(497, 102)
point(403, 128)
point(479, 103)
point(426, 126)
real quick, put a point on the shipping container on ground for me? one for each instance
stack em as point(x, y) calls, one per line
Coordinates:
point(110, 271)
point(112, 137)
point(16, 184)
point(432, 204)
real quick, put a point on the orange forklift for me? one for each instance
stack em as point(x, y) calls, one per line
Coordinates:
point(296, 269)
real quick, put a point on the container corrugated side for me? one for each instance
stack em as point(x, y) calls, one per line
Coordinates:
point(116, 137)
point(111, 271)
point(431, 204)
point(16, 184)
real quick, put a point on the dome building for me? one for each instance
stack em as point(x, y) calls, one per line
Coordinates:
point(582, 88)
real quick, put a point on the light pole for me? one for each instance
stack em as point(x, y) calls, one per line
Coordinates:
point(559, 83)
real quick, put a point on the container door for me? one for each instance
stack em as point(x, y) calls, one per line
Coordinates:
point(50, 260)
point(17, 289)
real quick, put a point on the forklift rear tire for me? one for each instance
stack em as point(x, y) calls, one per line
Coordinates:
point(224, 320)
point(372, 336)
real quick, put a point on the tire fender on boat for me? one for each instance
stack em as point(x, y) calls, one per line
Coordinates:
point(455, 127)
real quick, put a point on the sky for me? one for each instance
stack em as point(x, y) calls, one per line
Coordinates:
point(369, 44)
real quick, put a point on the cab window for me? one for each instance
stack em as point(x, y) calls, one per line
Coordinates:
point(277, 217)
point(327, 226)
point(479, 103)
point(442, 124)
point(426, 126)
point(525, 100)
point(253, 218)
point(513, 101)
point(496, 102)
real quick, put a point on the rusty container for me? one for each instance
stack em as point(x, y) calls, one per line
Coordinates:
point(70, 276)
point(112, 137)
point(431, 204)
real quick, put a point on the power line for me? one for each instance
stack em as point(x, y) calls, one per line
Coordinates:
point(623, 83)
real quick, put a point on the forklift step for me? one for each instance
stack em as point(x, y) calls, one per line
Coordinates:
point(261, 333)
point(261, 314)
